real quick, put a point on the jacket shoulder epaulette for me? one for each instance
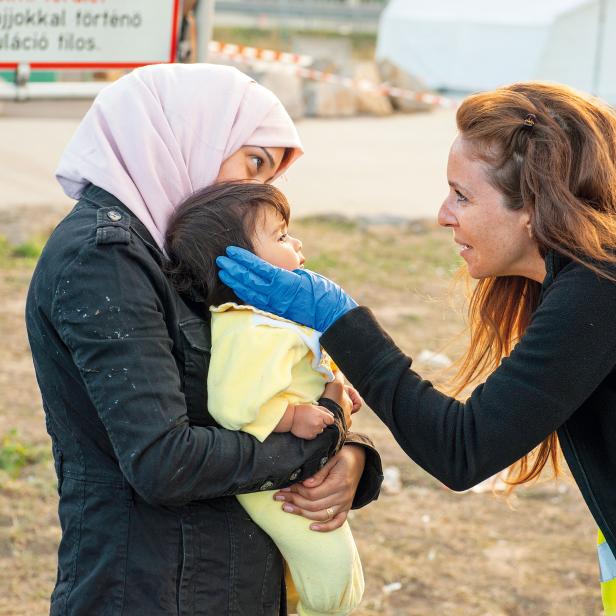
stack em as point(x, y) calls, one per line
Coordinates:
point(112, 226)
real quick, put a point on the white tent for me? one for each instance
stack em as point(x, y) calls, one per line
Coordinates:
point(468, 45)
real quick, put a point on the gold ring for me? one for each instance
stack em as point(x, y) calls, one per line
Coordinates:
point(330, 512)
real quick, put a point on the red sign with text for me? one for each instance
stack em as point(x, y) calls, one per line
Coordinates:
point(88, 33)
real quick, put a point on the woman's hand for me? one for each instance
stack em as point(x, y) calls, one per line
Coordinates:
point(327, 496)
point(301, 295)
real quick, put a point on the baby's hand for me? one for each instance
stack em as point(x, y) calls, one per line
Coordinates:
point(309, 421)
point(356, 399)
point(350, 394)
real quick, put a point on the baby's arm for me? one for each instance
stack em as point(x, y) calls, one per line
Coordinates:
point(304, 420)
point(249, 394)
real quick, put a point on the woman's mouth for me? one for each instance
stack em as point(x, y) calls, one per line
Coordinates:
point(463, 248)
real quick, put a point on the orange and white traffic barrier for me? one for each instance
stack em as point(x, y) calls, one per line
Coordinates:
point(299, 65)
point(239, 52)
point(384, 89)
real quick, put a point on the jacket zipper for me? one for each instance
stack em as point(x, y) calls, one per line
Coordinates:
point(604, 525)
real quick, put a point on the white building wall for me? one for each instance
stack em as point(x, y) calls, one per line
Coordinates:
point(488, 57)
point(569, 56)
point(462, 56)
point(481, 51)
point(607, 76)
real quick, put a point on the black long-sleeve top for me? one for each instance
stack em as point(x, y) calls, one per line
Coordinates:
point(559, 377)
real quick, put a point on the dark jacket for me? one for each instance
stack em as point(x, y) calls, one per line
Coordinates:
point(560, 376)
point(149, 523)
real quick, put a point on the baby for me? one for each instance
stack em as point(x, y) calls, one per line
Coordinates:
point(265, 372)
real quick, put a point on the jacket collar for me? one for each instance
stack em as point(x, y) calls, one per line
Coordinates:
point(554, 263)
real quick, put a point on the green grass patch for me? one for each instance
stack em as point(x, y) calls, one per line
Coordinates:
point(13, 254)
point(392, 257)
point(322, 262)
point(330, 222)
point(16, 454)
point(28, 250)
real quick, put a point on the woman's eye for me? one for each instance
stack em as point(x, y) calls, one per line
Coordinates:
point(257, 161)
point(460, 197)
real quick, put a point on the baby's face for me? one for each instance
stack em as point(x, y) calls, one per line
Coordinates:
point(273, 243)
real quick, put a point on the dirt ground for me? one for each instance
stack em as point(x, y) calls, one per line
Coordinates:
point(425, 550)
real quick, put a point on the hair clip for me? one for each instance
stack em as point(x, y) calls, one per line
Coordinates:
point(530, 120)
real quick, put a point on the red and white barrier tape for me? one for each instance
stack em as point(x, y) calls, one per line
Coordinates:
point(298, 65)
point(239, 52)
point(384, 89)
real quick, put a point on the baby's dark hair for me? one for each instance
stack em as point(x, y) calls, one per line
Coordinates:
point(202, 227)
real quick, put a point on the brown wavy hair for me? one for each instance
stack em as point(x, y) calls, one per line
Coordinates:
point(562, 170)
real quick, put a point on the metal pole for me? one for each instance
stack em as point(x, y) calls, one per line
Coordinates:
point(596, 78)
point(204, 15)
point(283, 6)
point(22, 76)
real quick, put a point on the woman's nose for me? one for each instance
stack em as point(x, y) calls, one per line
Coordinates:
point(446, 217)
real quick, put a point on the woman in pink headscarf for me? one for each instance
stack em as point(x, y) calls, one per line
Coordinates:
point(146, 478)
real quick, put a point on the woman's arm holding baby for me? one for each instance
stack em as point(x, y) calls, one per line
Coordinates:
point(237, 405)
point(348, 480)
point(122, 348)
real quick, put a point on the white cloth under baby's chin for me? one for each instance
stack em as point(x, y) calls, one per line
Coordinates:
point(321, 361)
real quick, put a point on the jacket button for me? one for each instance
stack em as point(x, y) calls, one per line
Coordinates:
point(323, 461)
point(295, 474)
point(114, 216)
point(268, 485)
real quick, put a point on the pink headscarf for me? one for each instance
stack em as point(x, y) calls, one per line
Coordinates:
point(160, 133)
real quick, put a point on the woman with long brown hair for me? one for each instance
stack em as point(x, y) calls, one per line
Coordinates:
point(532, 206)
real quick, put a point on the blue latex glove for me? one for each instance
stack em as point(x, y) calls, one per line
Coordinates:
point(301, 295)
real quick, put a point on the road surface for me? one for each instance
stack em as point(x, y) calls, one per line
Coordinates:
point(370, 167)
